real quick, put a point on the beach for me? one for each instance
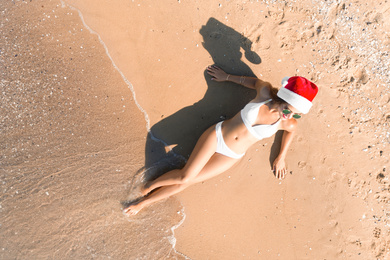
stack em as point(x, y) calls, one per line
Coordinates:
point(99, 96)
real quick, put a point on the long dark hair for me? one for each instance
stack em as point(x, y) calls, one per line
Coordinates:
point(275, 99)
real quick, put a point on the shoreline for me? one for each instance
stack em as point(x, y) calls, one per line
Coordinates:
point(172, 238)
point(75, 139)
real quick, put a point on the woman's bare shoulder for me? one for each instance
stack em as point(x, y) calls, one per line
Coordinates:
point(263, 89)
point(289, 125)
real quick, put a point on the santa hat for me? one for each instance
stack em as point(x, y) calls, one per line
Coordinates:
point(298, 92)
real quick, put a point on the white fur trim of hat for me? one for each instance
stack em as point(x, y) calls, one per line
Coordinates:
point(298, 92)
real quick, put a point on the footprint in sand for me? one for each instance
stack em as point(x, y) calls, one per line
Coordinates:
point(302, 164)
point(376, 232)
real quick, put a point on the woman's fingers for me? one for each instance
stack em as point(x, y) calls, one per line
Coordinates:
point(213, 67)
point(212, 70)
point(280, 173)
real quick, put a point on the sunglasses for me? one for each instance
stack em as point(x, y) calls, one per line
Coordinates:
point(288, 111)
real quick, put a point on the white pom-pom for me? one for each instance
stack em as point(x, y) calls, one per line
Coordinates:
point(285, 81)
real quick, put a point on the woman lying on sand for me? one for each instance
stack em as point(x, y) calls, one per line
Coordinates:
point(224, 144)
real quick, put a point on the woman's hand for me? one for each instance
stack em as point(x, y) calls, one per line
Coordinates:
point(279, 168)
point(217, 73)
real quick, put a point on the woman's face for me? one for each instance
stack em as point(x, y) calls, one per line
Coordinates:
point(286, 111)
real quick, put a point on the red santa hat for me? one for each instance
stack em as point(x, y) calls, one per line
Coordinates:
point(298, 92)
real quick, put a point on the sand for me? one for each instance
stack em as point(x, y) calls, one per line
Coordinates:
point(98, 94)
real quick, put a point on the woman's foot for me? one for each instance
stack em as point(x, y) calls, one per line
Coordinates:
point(132, 209)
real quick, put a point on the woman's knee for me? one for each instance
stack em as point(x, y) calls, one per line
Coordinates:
point(185, 175)
point(186, 179)
point(180, 176)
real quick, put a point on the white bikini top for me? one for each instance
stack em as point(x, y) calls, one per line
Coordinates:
point(249, 115)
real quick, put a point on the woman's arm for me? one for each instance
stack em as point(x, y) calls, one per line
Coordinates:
point(279, 166)
point(250, 82)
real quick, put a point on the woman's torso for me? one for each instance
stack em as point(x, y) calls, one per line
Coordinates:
point(239, 137)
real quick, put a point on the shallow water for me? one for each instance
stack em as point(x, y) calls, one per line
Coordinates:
point(72, 141)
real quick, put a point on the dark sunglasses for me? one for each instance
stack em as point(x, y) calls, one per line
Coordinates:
point(288, 111)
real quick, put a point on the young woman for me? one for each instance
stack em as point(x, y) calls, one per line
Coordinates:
point(223, 144)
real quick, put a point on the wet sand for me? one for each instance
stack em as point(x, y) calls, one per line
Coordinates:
point(93, 100)
point(72, 140)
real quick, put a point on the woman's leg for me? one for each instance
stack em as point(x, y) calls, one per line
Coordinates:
point(217, 164)
point(156, 195)
point(204, 149)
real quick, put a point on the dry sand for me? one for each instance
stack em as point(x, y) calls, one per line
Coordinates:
point(94, 93)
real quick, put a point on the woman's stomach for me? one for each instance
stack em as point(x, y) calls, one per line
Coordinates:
point(236, 135)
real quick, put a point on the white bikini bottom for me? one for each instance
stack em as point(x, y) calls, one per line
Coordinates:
point(222, 148)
